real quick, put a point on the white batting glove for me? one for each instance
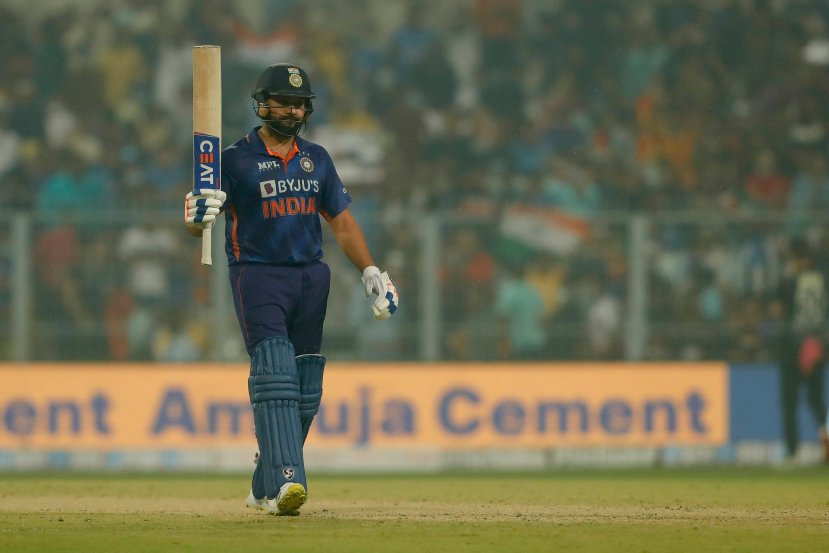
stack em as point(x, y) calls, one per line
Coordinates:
point(387, 300)
point(202, 206)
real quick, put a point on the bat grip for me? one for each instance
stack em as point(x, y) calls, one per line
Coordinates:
point(206, 247)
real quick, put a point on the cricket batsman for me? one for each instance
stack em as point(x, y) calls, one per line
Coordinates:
point(275, 188)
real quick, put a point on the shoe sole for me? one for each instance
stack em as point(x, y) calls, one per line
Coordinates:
point(292, 499)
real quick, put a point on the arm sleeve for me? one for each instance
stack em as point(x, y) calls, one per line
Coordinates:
point(334, 197)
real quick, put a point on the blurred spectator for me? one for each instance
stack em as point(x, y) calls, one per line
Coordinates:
point(26, 116)
point(62, 317)
point(26, 177)
point(803, 302)
point(5, 294)
point(465, 261)
point(751, 333)
point(521, 308)
point(98, 286)
point(177, 338)
point(50, 57)
point(76, 186)
point(165, 176)
point(147, 250)
point(410, 44)
point(603, 322)
point(809, 191)
point(482, 334)
point(538, 120)
point(10, 144)
point(647, 53)
point(570, 187)
point(434, 78)
point(766, 186)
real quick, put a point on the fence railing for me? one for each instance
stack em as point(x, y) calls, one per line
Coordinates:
point(516, 285)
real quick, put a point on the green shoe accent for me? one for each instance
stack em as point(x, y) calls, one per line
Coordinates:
point(291, 497)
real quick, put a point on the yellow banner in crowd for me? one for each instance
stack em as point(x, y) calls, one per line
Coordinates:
point(450, 406)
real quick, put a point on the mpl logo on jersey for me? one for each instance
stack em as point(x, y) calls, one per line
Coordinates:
point(206, 161)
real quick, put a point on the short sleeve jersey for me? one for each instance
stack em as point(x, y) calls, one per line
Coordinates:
point(805, 301)
point(273, 206)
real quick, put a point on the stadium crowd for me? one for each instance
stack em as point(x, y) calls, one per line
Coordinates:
point(534, 131)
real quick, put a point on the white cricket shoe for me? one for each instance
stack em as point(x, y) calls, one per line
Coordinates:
point(291, 497)
point(263, 504)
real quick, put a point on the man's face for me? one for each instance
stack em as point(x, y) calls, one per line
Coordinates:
point(284, 114)
point(284, 106)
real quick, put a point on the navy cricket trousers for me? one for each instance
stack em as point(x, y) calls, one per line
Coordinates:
point(281, 301)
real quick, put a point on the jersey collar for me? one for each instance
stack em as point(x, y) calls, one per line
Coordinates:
point(254, 138)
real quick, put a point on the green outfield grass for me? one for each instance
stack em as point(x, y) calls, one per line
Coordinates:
point(734, 509)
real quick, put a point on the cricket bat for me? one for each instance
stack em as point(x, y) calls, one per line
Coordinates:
point(207, 126)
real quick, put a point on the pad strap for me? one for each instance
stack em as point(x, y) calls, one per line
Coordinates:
point(274, 386)
point(310, 368)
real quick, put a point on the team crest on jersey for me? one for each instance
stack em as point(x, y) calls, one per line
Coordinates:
point(294, 77)
point(288, 473)
point(306, 164)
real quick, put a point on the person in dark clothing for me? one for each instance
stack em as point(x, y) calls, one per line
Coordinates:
point(803, 301)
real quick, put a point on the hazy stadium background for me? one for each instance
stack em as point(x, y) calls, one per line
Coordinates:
point(546, 181)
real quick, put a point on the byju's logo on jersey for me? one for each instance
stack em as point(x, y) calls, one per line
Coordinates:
point(267, 188)
point(266, 165)
point(270, 188)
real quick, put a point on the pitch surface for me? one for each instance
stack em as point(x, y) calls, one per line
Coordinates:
point(662, 510)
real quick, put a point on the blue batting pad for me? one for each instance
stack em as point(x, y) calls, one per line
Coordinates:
point(258, 482)
point(310, 368)
point(274, 393)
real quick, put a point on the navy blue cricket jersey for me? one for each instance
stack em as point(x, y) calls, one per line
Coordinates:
point(273, 206)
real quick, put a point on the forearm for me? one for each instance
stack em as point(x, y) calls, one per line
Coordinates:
point(351, 240)
point(353, 244)
point(350, 237)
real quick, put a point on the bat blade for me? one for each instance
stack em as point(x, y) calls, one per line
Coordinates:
point(207, 127)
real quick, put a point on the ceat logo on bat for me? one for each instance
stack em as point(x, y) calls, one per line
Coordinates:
point(206, 161)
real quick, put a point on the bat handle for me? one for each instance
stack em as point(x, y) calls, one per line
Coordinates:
point(206, 247)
